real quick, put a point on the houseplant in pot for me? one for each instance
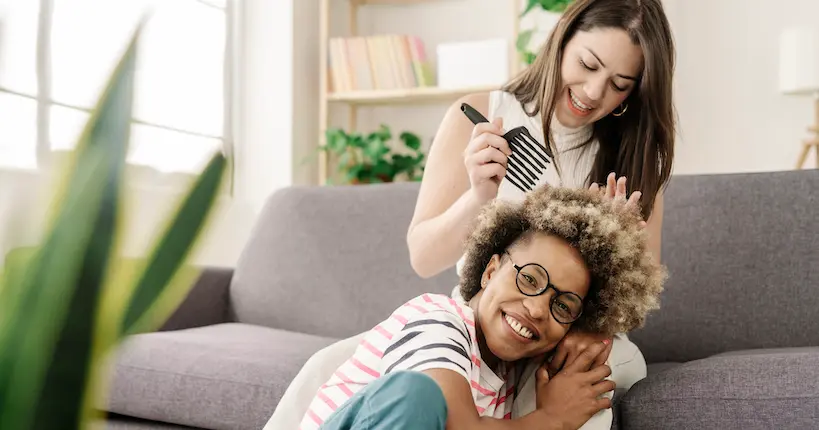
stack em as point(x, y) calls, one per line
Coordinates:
point(367, 158)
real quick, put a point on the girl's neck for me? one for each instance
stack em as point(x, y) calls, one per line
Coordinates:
point(488, 357)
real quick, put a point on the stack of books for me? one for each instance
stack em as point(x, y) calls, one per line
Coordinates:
point(380, 62)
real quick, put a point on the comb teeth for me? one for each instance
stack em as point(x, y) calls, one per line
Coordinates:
point(528, 160)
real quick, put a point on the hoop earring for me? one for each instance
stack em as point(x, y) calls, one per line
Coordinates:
point(622, 110)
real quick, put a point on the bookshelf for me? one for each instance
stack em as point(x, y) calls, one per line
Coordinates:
point(403, 95)
point(354, 98)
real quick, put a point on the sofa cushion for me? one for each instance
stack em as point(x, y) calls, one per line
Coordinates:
point(226, 376)
point(740, 250)
point(119, 422)
point(331, 261)
point(655, 368)
point(741, 390)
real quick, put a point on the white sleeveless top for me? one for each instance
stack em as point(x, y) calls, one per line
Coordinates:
point(574, 161)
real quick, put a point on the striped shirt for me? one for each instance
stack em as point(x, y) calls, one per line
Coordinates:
point(431, 331)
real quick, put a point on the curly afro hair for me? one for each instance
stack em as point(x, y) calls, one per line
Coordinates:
point(626, 281)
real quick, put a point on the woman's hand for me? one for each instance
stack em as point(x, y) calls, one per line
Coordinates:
point(574, 395)
point(572, 346)
point(616, 190)
point(485, 159)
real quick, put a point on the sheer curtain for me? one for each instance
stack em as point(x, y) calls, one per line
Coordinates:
point(49, 83)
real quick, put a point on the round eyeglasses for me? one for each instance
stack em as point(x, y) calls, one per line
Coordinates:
point(533, 280)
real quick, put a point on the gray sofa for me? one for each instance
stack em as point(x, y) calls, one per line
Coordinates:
point(735, 345)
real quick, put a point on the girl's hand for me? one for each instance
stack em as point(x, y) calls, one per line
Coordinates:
point(574, 395)
point(485, 159)
point(572, 346)
point(616, 190)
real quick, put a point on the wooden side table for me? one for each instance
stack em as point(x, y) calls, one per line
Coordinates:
point(807, 145)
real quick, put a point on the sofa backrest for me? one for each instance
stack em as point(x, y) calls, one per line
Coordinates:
point(330, 261)
point(742, 252)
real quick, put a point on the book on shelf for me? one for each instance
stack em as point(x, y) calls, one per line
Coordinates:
point(380, 62)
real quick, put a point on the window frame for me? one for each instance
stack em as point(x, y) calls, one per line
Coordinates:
point(44, 100)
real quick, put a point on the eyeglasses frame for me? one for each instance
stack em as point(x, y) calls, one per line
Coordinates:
point(549, 285)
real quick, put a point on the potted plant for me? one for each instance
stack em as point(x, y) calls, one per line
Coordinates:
point(542, 23)
point(371, 158)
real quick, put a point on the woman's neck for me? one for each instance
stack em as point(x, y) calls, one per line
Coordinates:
point(565, 137)
point(569, 137)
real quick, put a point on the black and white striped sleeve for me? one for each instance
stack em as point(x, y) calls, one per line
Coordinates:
point(433, 340)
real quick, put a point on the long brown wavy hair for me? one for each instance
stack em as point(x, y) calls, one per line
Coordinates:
point(640, 143)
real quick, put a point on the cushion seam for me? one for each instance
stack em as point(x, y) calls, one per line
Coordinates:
point(166, 372)
point(731, 399)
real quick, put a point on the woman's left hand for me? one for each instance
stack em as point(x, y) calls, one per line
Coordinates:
point(572, 345)
point(616, 190)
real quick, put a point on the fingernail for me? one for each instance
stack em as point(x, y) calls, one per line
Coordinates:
point(606, 342)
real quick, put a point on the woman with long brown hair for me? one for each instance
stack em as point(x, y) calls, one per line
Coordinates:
point(598, 100)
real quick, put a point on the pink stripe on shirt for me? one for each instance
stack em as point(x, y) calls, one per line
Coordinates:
point(364, 368)
point(482, 390)
point(461, 313)
point(327, 400)
point(371, 348)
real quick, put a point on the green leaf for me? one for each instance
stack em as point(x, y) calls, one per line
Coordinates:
point(344, 160)
point(383, 168)
point(49, 339)
point(530, 4)
point(336, 140)
point(357, 172)
point(556, 5)
point(402, 162)
point(376, 149)
point(547, 5)
point(524, 37)
point(152, 303)
point(411, 140)
point(383, 134)
point(357, 141)
point(529, 57)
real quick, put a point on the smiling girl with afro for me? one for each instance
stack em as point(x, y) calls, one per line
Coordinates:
point(561, 259)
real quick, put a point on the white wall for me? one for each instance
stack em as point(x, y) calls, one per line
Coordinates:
point(732, 116)
point(305, 91)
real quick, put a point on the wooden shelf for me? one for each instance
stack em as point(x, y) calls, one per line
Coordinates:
point(399, 97)
point(399, 2)
point(405, 95)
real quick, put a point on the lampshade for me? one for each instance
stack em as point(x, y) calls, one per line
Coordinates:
point(799, 60)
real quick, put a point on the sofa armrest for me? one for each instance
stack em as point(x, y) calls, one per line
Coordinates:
point(206, 303)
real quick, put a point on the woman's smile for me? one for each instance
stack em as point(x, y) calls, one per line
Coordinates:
point(576, 106)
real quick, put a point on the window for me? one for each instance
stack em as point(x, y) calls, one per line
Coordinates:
point(48, 84)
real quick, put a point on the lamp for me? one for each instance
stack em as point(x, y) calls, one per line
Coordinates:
point(799, 75)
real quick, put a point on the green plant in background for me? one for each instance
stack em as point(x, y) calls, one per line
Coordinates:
point(524, 37)
point(63, 310)
point(370, 158)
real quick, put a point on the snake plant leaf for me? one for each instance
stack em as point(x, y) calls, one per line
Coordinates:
point(165, 281)
point(48, 339)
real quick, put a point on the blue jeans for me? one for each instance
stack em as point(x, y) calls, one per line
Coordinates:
point(399, 401)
